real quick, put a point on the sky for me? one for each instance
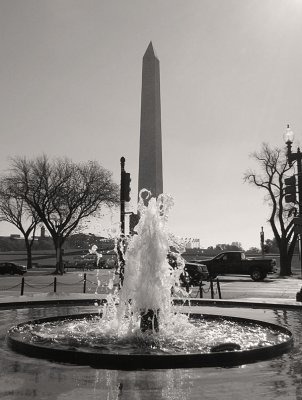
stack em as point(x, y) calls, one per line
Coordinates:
point(231, 79)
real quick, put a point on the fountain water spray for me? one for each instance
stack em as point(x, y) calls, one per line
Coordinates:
point(148, 275)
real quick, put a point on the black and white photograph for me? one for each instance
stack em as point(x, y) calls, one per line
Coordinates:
point(150, 199)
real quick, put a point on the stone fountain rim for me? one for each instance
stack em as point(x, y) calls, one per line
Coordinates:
point(58, 300)
point(150, 361)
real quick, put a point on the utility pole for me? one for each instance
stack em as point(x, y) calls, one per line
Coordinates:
point(262, 241)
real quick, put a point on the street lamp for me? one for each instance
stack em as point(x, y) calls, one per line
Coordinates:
point(289, 138)
point(288, 135)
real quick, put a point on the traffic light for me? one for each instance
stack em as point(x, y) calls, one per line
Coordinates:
point(290, 189)
point(126, 186)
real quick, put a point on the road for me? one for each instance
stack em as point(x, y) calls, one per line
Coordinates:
point(232, 287)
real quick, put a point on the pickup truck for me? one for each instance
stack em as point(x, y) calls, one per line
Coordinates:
point(235, 262)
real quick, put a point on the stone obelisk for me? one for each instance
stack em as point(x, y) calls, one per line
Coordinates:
point(150, 151)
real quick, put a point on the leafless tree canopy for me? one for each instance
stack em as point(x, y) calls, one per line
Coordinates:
point(61, 192)
point(15, 210)
point(273, 168)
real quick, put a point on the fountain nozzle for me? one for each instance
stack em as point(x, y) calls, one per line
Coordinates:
point(149, 321)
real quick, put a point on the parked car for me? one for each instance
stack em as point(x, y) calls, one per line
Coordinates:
point(194, 273)
point(12, 268)
point(236, 262)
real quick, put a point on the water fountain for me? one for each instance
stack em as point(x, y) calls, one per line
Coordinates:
point(138, 327)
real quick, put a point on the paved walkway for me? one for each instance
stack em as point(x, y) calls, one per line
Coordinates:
point(280, 288)
point(286, 291)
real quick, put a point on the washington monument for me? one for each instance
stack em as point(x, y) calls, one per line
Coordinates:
point(150, 150)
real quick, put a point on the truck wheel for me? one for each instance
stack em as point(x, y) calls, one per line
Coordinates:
point(257, 275)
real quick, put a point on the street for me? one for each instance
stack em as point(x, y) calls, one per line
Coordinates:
point(232, 287)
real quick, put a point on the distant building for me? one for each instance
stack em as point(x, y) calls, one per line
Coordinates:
point(42, 236)
point(192, 243)
point(14, 236)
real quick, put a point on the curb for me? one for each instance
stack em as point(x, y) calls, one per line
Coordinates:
point(89, 299)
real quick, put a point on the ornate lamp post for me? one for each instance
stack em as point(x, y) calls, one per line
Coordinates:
point(289, 138)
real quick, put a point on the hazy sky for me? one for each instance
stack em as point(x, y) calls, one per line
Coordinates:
point(231, 78)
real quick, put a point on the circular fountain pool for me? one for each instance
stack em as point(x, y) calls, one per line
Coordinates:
point(24, 377)
point(205, 340)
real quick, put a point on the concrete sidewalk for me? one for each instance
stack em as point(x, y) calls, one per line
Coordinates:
point(286, 300)
point(51, 298)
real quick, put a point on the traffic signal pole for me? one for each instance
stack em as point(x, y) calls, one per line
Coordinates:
point(122, 196)
point(124, 193)
point(262, 241)
point(299, 169)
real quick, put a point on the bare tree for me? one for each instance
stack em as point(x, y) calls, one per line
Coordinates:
point(273, 169)
point(14, 210)
point(62, 193)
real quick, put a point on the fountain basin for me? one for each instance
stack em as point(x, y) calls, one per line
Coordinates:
point(29, 339)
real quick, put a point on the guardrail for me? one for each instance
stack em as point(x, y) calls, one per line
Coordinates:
point(25, 284)
point(212, 286)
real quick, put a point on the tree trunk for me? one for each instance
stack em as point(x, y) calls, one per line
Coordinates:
point(285, 259)
point(59, 258)
point(28, 251)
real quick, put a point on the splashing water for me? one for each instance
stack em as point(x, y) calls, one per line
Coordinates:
point(180, 337)
point(93, 250)
point(148, 276)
